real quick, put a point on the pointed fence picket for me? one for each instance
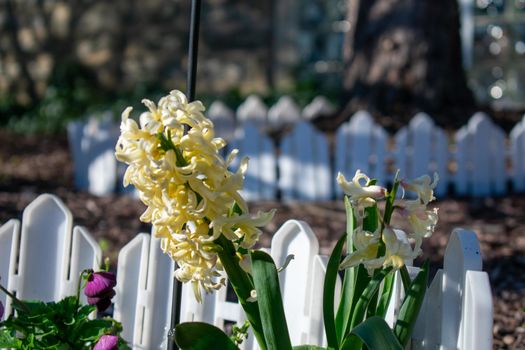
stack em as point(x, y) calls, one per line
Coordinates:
point(304, 165)
point(477, 166)
point(42, 257)
point(480, 158)
point(517, 150)
point(223, 120)
point(92, 144)
point(320, 106)
point(284, 113)
point(361, 144)
point(456, 313)
point(253, 110)
point(144, 293)
point(260, 179)
point(422, 148)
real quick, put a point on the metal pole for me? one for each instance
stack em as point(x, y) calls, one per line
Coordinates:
point(193, 49)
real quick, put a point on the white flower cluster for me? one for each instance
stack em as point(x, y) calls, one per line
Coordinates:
point(398, 246)
point(191, 197)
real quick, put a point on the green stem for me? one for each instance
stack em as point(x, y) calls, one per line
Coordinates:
point(14, 298)
point(242, 285)
point(364, 300)
point(79, 286)
point(405, 277)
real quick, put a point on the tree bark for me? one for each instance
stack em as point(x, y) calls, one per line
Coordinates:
point(404, 56)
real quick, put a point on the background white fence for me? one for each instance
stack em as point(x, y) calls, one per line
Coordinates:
point(456, 314)
point(479, 159)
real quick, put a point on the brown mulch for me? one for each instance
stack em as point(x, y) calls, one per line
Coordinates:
point(31, 165)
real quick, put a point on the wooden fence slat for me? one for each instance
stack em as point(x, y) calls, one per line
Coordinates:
point(9, 237)
point(296, 237)
point(223, 120)
point(320, 106)
point(462, 254)
point(304, 165)
point(463, 162)
point(517, 142)
point(477, 312)
point(92, 144)
point(131, 282)
point(85, 253)
point(427, 331)
point(144, 293)
point(284, 113)
point(254, 110)
point(45, 244)
point(260, 178)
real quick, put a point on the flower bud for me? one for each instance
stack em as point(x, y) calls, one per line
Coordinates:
point(99, 289)
point(107, 342)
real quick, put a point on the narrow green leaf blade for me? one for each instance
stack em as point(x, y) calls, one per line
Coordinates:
point(386, 295)
point(375, 334)
point(330, 279)
point(347, 293)
point(411, 306)
point(309, 347)
point(367, 295)
point(201, 336)
point(270, 302)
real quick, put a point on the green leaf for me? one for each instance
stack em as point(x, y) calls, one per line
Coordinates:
point(8, 340)
point(411, 305)
point(370, 222)
point(389, 206)
point(270, 302)
point(242, 285)
point(347, 293)
point(328, 293)
point(375, 334)
point(386, 295)
point(201, 336)
point(367, 295)
point(309, 347)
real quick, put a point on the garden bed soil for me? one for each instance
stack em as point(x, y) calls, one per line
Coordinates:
point(32, 165)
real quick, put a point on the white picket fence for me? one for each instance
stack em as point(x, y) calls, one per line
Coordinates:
point(303, 165)
point(456, 314)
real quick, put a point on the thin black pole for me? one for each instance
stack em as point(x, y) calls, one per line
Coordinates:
point(193, 49)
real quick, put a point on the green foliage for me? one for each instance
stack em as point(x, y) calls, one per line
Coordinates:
point(270, 302)
point(54, 325)
point(328, 293)
point(374, 333)
point(202, 336)
point(411, 305)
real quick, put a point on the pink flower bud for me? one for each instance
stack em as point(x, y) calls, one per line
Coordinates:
point(99, 289)
point(107, 342)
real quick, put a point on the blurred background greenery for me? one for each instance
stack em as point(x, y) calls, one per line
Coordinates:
point(62, 60)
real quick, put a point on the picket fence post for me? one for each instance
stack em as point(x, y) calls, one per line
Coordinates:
point(480, 158)
point(456, 314)
point(422, 148)
point(92, 144)
point(304, 165)
point(356, 142)
point(517, 145)
point(50, 253)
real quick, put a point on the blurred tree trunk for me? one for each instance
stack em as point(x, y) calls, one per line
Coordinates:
point(404, 56)
point(12, 29)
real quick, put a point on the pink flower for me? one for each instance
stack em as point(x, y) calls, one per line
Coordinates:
point(107, 342)
point(99, 289)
